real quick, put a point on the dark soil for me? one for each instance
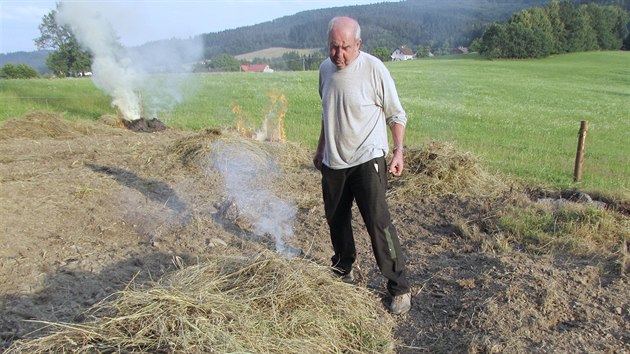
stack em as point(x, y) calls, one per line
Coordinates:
point(144, 125)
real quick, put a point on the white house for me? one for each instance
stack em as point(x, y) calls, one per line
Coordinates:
point(402, 53)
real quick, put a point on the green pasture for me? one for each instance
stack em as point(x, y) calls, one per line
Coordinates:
point(519, 117)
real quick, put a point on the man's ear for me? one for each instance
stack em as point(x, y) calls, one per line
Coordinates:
point(359, 42)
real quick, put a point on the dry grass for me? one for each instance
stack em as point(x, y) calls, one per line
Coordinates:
point(579, 229)
point(275, 52)
point(38, 125)
point(263, 304)
point(438, 169)
point(195, 150)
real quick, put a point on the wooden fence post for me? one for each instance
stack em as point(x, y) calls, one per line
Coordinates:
point(579, 156)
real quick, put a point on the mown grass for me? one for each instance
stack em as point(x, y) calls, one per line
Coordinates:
point(77, 98)
point(520, 117)
point(560, 227)
point(571, 227)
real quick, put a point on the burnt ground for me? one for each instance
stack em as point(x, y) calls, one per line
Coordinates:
point(85, 210)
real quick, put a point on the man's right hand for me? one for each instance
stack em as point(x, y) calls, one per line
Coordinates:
point(317, 160)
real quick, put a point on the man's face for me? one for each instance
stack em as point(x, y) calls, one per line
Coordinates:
point(344, 48)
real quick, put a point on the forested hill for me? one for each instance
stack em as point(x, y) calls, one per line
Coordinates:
point(435, 23)
point(440, 24)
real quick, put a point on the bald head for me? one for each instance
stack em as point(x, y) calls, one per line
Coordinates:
point(347, 23)
point(344, 41)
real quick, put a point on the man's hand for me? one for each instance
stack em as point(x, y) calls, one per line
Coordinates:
point(317, 160)
point(396, 165)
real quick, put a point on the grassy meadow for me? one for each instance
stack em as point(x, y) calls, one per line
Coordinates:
point(519, 117)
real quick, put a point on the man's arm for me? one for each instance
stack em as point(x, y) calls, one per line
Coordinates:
point(398, 134)
point(319, 153)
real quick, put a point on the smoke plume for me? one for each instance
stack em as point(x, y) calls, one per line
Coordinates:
point(246, 173)
point(130, 75)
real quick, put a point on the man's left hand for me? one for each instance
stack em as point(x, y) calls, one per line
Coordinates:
point(397, 164)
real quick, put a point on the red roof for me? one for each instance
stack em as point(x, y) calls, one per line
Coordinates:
point(254, 67)
point(406, 51)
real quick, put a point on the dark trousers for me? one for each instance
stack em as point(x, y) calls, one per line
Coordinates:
point(366, 184)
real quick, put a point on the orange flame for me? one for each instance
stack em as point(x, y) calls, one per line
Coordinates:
point(121, 118)
point(277, 111)
point(272, 126)
point(240, 122)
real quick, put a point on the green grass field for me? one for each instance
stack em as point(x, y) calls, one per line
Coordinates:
point(520, 117)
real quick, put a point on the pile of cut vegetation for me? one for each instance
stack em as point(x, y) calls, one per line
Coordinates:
point(39, 125)
point(438, 169)
point(241, 304)
point(194, 150)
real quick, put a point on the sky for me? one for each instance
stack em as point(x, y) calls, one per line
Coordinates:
point(140, 21)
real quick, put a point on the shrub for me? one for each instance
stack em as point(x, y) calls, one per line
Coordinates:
point(19, 71)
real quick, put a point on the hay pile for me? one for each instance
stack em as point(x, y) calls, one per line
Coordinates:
point(194, 151)
point(267, 304)
point(438, 169)
point(38, 125)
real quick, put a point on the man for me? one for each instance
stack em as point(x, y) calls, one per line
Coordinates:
point(359, 101)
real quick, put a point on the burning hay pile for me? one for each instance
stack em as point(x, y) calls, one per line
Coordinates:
point(267, 304)
point(437, 168)
point(140, 125)
point(144, 125)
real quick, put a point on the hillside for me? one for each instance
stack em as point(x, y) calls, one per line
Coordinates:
point(270, 53)
point(446, 23)
point(36, 60)
point(435, 23)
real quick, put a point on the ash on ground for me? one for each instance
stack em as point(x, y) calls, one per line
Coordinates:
point(144, 125)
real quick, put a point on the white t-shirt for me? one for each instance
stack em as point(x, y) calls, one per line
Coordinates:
point(358, 102)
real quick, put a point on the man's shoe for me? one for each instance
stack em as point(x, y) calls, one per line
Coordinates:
point(400, 304)
point(348, 278)
point(345, 277)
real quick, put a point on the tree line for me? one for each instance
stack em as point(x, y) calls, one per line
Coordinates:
point(535, 32)
point(425, 26)
point(289, 61)
point(559, 27)
point(411, 23)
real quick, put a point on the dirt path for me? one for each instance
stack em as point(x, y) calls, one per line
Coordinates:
point(87, 209)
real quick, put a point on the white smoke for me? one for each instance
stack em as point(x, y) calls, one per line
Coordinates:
point(247, 173)
point(129, 75)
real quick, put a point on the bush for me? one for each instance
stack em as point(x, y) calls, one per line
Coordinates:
point(225, 62)
point(20, 71)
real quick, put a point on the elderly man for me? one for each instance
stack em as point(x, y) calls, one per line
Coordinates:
point(359, 101)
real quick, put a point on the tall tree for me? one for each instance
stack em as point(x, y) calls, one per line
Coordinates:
point(537, 23)
point(609, 24)
point(294, 61)
point(493, 41)
point(381, 53)
point(559, 31)
point(580, 34)
point(67, 57)
point(225, 62)
point(559, 27)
